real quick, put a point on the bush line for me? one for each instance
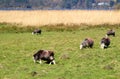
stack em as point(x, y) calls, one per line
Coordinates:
point(16, 28)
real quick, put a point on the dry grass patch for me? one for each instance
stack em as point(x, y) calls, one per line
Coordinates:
point(48, 17)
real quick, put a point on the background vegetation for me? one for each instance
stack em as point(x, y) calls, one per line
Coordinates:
point(58, 17)
point(17, 45)
point(56, 4)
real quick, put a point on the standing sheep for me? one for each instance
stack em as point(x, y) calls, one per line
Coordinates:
point(110, 32)
point(87, 42)
point(105, 42)
point(37, 31)
point(44, 55)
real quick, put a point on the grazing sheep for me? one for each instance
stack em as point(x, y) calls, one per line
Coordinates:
point(88, 42)
point(44, 55)
point(110, 32)
point(105, 42)
point(37, 31)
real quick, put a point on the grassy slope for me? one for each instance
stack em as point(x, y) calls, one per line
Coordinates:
point(16, 50)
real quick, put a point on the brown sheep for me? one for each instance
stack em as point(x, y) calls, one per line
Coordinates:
point(37, 31)
point(110, 32)
point(44, 55)
point(105, 42)
point(88, 42)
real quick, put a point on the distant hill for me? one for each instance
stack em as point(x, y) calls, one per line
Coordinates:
point(57, 4)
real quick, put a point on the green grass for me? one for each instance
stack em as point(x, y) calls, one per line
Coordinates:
point(17, 48)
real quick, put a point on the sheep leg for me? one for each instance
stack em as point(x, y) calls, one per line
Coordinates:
point(34, 60)
point(53, 62)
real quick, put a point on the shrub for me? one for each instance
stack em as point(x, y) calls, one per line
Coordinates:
point(117, 7)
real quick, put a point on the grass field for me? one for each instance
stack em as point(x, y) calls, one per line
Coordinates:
point(66, 17)
point(17, 48)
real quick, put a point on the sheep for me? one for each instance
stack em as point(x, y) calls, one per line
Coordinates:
point(88, 42)
point(37, 31)
point(45, 55)
point(110, 32)
point(105, 42)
